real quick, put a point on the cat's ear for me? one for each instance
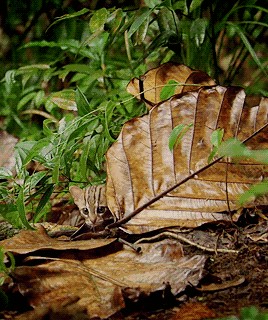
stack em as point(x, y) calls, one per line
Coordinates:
point(78, 195)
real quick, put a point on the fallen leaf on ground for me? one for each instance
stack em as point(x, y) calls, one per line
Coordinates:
point(101, 284)
point(140, 165)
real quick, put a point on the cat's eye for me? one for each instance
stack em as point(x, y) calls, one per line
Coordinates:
point(85, 211)
point(101, 210)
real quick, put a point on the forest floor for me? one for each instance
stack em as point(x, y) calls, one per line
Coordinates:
point(238, 280)
point(230, 280)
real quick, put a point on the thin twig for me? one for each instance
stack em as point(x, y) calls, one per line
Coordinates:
point(184, 239)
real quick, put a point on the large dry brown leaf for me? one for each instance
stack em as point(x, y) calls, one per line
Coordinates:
point(153, 81)
point(141, 166)
point(101, 284)
point(27, 241)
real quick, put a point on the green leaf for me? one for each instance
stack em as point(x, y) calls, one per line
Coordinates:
point(153, 3)
point(21, 152)
point(168, 90)
point(39, 98)
point(70, 16)
point(33, 180)
point(236, 149)
point(115, 20)
point(177, 134)
point(140, 18)
point(216, 137)
point(254, 192)
point(216, 140)
point(195, 4)
point(142, 31)
point(28, 97)
point(10, 213)
point(5, 173)
point(98, 20)
point(44, 200)
point(49, 128)
point(64, 99)
point(21, 209)
point(247, 44)
point(32, 68)
point(35, 150)
point(56, 169)
point(198, 30)
point(109, 110)
point(83, 106)
point(168, 20)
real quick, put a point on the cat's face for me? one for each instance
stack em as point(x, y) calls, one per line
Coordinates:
point(91, 202)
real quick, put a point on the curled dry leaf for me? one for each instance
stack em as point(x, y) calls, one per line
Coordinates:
point(153, 81)
point(28, 241)
point(140, 165)
point(100, 285)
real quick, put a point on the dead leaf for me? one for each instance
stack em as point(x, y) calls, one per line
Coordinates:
point(140, 165)
point(59, 281)
point(28, 241)
point(100, 285)
point(153, 81)
point(194, 311)
point(222, 286)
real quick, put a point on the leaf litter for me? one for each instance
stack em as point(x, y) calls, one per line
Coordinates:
point(102, 278)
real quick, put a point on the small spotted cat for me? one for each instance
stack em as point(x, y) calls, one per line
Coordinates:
point(91, 203)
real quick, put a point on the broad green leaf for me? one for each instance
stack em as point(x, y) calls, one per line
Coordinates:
point(141, 16)
point(195, 4)
point(87, 126)
point(33, 180)
point(21, 209)
point(35, 150)
point(168, 90)
point(39, 98)
point(56, 169)
point(70, 16)
point(153, 3)
point(253, 192)
point(10, 213)
point(168, 20)
point(5, 173)
point(98, 20)
point(22, 150)
point(23, 101)
point(64, 99)
point(216, 140)
point(180, 5)
point(177, 134)
point(83, 106)
point(83, 163)
point(44, 200)
point(236, 149)
point(198, 30)
point(10, 80)
point(115, 20)
point(216, 137)
point(142, 31)
point(76, 67)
